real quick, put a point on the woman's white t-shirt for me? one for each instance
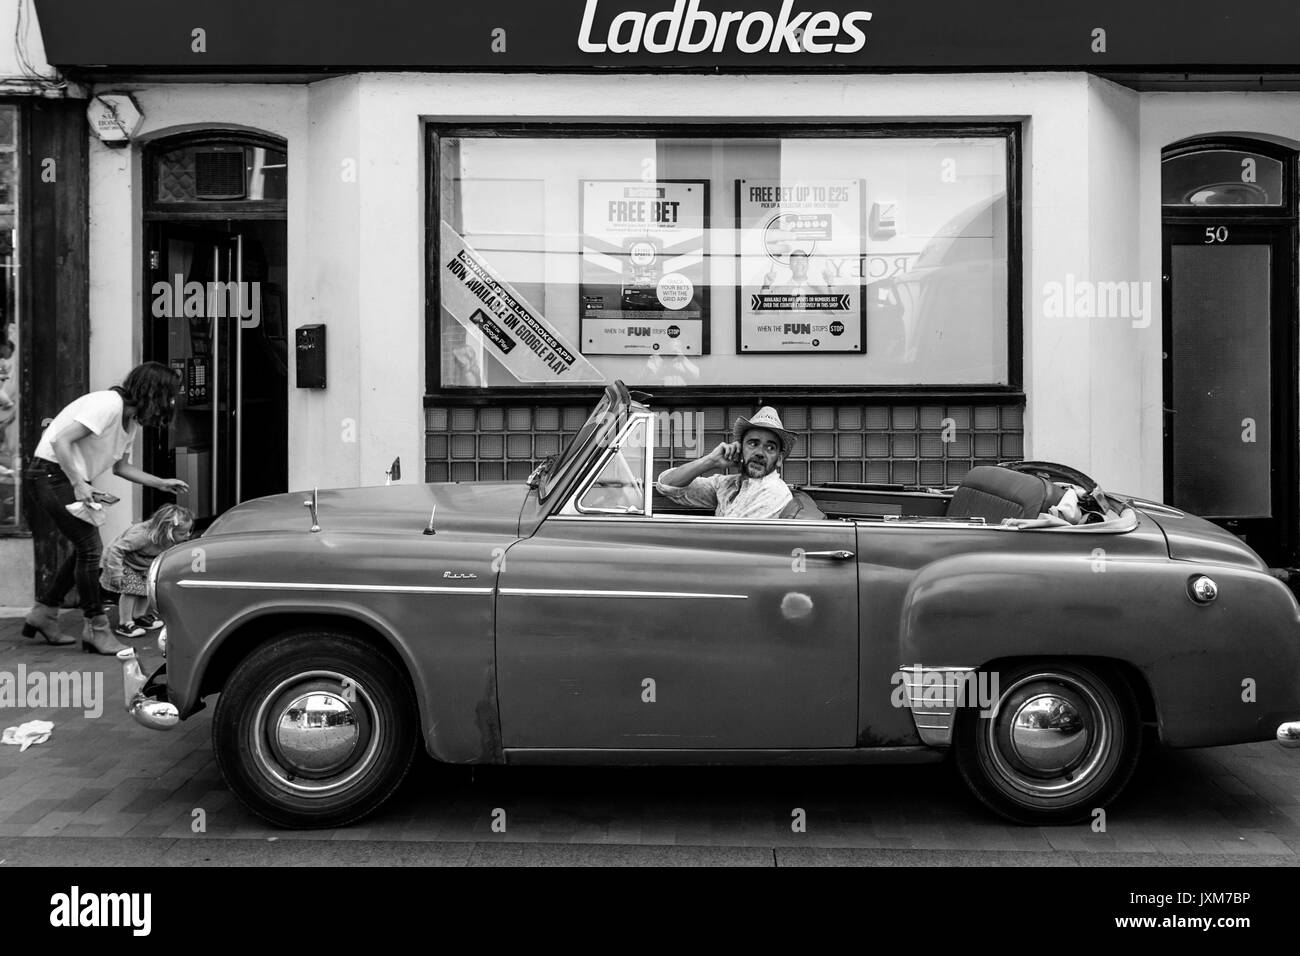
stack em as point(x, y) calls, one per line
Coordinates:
point(107, 443)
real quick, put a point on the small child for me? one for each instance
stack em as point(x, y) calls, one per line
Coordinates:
point(126, 565)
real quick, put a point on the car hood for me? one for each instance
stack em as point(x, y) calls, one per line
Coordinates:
point(384, 509)
point(1194, 539)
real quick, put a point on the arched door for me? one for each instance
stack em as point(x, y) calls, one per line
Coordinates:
point(216, 283)
point(1230, 372)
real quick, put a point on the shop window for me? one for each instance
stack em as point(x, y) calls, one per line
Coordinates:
point(1222, 177)
point(791, 259)
point(220, 172)
point(11, 518)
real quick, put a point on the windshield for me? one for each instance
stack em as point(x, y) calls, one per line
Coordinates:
point(600, 428)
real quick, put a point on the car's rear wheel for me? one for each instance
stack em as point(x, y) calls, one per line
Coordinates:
point(315, 729)
point(1062, 741)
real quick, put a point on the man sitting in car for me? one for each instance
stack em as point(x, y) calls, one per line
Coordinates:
point(758, 491)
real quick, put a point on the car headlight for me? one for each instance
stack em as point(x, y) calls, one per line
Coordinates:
point(151, 582)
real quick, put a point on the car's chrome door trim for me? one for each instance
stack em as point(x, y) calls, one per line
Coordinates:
point(578, 592)
point(315, 586)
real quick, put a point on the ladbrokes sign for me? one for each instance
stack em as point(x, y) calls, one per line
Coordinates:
point(685, 28)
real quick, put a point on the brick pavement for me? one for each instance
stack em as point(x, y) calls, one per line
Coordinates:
point(110, 778)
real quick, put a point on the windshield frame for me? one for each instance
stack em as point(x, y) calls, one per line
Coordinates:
point(602, 427)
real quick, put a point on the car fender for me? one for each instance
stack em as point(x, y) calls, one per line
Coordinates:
point(1216, 672)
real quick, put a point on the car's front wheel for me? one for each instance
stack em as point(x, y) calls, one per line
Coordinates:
point(315, 729)
point(1061, 742)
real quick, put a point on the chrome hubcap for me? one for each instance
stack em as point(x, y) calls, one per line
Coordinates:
point(316, 733)
point(1049, 737)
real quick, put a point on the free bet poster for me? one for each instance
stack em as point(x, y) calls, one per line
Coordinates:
point(642, 289)
point(798, 288)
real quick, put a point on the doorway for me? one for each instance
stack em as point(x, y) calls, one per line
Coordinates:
point(215, 312)
point(1230, 362)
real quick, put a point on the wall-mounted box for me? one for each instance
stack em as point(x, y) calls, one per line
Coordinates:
point(309, 349)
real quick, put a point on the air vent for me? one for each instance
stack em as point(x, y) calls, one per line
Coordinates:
point(219, 174)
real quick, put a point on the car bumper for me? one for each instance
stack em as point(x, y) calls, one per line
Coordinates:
point(1288, 734)
point(146, 698)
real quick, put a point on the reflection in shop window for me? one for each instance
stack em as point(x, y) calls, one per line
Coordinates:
point(11, 517)
point(729, 261)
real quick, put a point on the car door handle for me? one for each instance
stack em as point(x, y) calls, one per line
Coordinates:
point(832, 555)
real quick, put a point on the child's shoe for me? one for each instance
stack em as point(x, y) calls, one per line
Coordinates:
point(129, 629)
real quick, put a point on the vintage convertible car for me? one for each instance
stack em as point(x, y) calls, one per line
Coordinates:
point(579, 617)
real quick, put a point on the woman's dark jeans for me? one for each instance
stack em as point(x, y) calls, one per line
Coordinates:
point(51, 491)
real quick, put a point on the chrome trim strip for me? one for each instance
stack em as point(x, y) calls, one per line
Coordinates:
point(311, 586)
point(671, 517)
point(574, 592)
point(932, 718)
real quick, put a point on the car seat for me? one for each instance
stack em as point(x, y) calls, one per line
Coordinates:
point(802, 506)
point(994, 493)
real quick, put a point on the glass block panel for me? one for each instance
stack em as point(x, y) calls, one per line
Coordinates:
point(849, 418)
point(574, 417)
point(960, 415)
point(823, 471)
point(905, 416)
point(546, 445)
point(986, 446)
point(931, 473)
point(737, 412)
point(795, 417)
point(823, 418)
point(850, 446)
point(932, 446)
point(715, 418)
point(986, 417)
point(546, 419)
point(849, 471)
point(436, 471)
point(435, 419)
point(464, 471)
point(959, 447)
point(877, 417)
point(877, 472)
point(491, 419)
point(1013, 446)
point(462, 446)
point(491, 471)
point(463, 419)
point(435, 446)
point(1013, 417)
point(823, 446)
point(795, 471)
point(877, 446)
point(957, 471)
point(904, 472)
point(519, 419)
point(518, 470)
point(932, 416)
point(713, 439)
point(904, 446)
point(491, 446)
point(519, 446)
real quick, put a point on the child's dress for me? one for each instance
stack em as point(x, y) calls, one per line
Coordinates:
point(126, 561)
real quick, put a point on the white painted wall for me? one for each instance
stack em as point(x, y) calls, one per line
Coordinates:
point(31, 42)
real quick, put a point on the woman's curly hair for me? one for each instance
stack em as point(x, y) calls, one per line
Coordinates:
point(152, 388)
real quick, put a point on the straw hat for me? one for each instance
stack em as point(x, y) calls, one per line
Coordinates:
point(765, 417)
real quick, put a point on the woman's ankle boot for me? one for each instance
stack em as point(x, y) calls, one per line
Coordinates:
point(98, 637)
point(44, 620)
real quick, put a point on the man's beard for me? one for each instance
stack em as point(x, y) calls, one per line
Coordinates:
point(760, 465)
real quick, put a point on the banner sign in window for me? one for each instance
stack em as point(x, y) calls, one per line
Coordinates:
point(643, 289)
point(503, 322)
point(799, 287)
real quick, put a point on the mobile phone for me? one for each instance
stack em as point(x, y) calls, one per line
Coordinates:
point(105, 497)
